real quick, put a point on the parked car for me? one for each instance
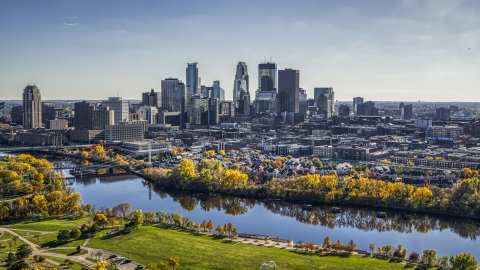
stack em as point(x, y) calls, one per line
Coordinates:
point(112, 256)
point(121, 258)
point(127, 261)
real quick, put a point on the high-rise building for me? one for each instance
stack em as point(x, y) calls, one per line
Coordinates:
point(325, 98)
point(218, 92)
point(344, 110)
point(289, 90)
point(323, 90)
point(302, 102)
point(203, 111)
point(400, 109)
point(168, 87)
point(206, 91)
point(32, 107)
point(242, 74)
point(148, 113)
point(180, 98)
point(356, 101)
point(367, 109)
point(5, 110)
point(192, 78)
point(49, 112)
point(103, 116)
point(241, 97)
point(17, 115)
point(267, 77)
point(266, 95)
point(152, 98)
point(120, 108)
point(325, 105)
point(84, 117)
point(408, 112)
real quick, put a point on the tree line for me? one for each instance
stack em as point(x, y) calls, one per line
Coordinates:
point(356, 188)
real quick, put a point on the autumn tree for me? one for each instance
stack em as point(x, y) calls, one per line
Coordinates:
point(162, 266)
point(464, 261)
point(173, 262)
point(100, 265)
point(429, 257)
point(210, 225)
point(100, 219)
point(149, 217)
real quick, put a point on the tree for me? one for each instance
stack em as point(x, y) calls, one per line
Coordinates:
point(443, 263)
point(23, 251)
point(464, 261)
point(289, 241)
point(173, 262)
point(372, 247)
point(149, 267)
point(75, 233)
point(18, 265)
point(277, 240)
point(222, 152)
point(100, 265)
point(100, 219)
point(209, 153)
point(137, 217)
point(11, 258)
point(112, 221)
point(326, 242)
point(63, 236)
point(220, 230)
point(149, 217)
point(210, 225)
point(351, 246)
point(429, 257)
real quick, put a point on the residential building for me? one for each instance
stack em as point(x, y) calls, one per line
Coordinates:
point(289, 90)
point(442, 113)
point(408, 112)
point(32, 107)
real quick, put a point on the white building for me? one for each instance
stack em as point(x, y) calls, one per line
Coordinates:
point(124, 133)
point(141, 148)
point(148, 113)
point(324, 151)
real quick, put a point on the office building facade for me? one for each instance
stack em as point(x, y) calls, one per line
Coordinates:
point(168, 87)
point(152, 98)
point(242, 74)
point(356, 101)
point(103, 116)
point(192, 81)
point(317, 91)
point(288, 90)
point(120, 108)
point(32, 107)
point(84, 116)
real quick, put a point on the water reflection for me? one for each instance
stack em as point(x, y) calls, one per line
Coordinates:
point(321, 215)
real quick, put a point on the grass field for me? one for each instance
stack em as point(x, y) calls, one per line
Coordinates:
point(51, 225)
point(76, 266)
point(71, 252)
point(195, 251)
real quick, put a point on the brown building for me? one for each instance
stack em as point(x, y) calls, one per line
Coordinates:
point(84, 115)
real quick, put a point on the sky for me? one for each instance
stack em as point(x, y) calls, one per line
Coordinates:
point(404, 50)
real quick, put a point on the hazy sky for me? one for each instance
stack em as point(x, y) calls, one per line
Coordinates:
point(381, 50)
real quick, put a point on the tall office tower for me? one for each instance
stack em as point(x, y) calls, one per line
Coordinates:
point(302, 102)
point(148, 113)
point(356, 101)
point(206, 91)
point(168, 87)
point(400, 109)
point(203, 111)
point(218, 92)
point(241, 97)
point(180, 98)
point(324, 96)
point(289, 90)
point(325, 105)
point(322, 90)
point(408, 112)
point(192, 78)
point(344, 110)
point(120, 108)
point(242, 74)
point(84, 115)
point(266, 95)
point(152, 98)
point(102, 117)
point(32, 107)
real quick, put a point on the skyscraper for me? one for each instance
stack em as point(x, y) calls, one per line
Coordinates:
point(266, 95)
point(180, 98)
point(356, 101)
point(408, 112)
point(32, 107)
point(168, 87)
point(192, 78)
point(242, 74)
point(152, 98)
point(241, 97)
point(325, 98)
point(84, 115)
point(218, 92)
point(302, 102)
point(289, 90)
point(322, 90)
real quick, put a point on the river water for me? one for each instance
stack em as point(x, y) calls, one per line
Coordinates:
point(414, 231)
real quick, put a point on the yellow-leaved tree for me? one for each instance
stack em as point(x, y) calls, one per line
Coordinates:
point(234, 179)
point(100, 265)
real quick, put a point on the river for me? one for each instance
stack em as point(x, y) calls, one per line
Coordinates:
point(414, 231)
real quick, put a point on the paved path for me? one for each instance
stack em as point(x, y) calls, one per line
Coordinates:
point(82, 259)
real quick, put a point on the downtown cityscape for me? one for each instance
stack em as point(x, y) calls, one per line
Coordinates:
point(232, 157)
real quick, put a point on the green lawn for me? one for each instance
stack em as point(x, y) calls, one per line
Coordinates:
point(51, 225)
point(76, 266)
point(72, 251)
point(152, 245)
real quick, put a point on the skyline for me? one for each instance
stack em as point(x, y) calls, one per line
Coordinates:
point(396, 50)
